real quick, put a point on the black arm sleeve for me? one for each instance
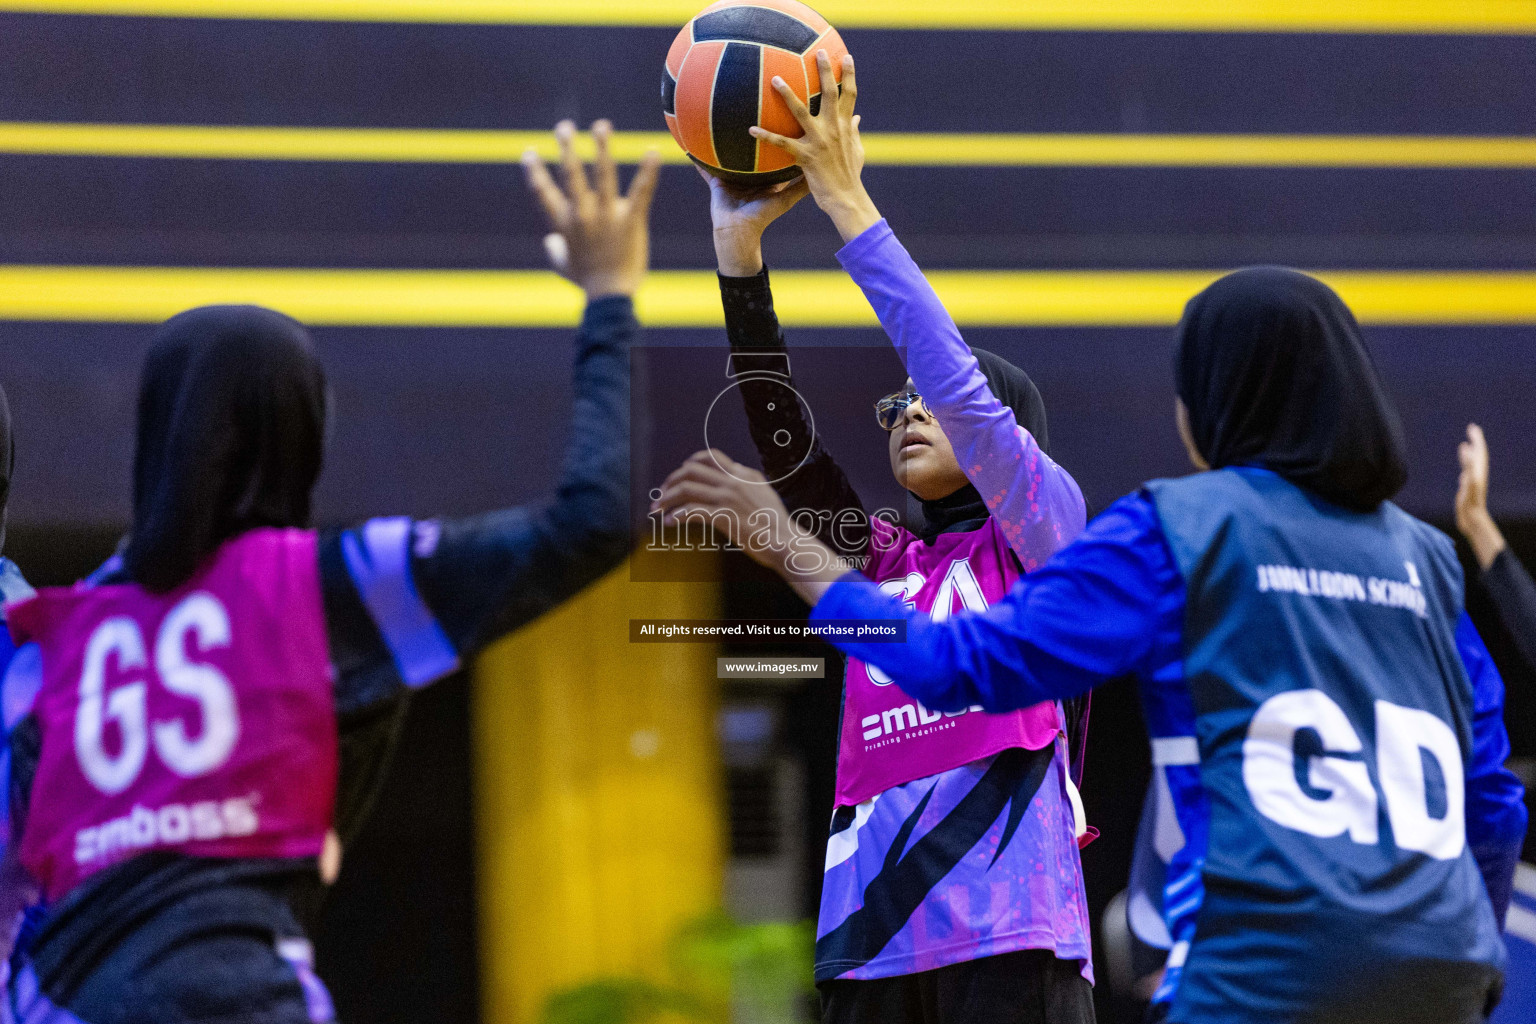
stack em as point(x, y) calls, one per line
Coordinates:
point(819, 484)
point(481, 577)
point(1514, 594)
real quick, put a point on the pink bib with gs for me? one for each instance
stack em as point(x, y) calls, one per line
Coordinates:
point(888, 738)
point(199, 721)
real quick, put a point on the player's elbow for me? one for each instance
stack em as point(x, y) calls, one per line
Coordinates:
point(591, 529)
point(606, 543)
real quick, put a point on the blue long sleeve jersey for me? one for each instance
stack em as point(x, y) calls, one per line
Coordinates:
point(1113, 604)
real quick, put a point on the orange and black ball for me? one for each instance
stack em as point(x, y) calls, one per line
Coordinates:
point(718, 83)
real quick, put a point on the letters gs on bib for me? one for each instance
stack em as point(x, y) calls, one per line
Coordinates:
point(1348, 803)
point(199, 623)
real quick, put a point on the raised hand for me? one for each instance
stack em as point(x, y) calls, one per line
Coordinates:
point(741, 216)
point(1472, 517)
point(599, 239)
point(830, 153)
point(711, 487)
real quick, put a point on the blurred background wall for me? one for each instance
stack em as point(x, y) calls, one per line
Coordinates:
point(1142, 147)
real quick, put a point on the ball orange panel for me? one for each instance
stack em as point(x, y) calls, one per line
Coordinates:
point(790, 7)
point(775, 114)
point(672, 127)
point(679, 50)
point(695, 93)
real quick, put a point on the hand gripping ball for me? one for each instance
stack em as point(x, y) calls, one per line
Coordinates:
point(718, 83)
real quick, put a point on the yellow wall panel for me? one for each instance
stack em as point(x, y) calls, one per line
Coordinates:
point(598, 798)
point(1450, 16)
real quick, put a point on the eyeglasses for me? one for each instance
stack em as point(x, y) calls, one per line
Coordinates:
point(891, 409)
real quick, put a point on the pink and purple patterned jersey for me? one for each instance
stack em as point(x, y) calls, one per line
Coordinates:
point(973, 862)
point(979, 855)
point(887, 738)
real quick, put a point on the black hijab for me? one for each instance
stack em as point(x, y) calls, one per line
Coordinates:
point(232, 410)
point(7, 461)
point(1014, 389)
point(1274, 372)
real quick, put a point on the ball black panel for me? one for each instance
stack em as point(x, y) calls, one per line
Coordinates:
point(668, 92)
point(755, 25)
point(752, 179)
point(738, 85)
point(814, 103)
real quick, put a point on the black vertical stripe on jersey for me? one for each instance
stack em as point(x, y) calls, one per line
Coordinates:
point(734, 107)
point(908, 876)
point(668, 92)
point(756, 25)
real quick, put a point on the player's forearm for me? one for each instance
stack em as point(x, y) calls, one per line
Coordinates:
point(592, 501)
point(936, 356)
point(1485, 537)
point(738, 252)
point(811, 481)
point(751, 325)
point(965, 661)
point(851, 210)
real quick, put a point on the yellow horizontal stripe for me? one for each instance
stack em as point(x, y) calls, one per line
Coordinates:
point(1447, 16)
point(689, 298)
point(239, 142)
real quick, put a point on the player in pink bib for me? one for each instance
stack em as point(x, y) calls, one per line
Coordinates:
point(952, 891)
point(223, 695)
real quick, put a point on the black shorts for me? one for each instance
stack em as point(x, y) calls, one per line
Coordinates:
point(161, 939)
point(217, 980)
point(1027, 987)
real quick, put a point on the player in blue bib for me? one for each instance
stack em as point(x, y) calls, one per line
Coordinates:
point(1329, 722)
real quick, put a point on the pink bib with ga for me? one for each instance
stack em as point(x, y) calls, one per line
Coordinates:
point(888, 738)
point(199, 721)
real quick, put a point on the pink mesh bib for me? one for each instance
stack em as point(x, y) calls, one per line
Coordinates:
point(199, 721)
point(888, 738)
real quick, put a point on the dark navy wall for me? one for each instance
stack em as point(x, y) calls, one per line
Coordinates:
point(438, 420)
point(457, 421)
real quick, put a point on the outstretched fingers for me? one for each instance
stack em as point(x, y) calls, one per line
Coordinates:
point(794, 147)
point(577, 188)
point(556, 208)
point(643, 188)
point(1473, 452)
point(828, 82)
point(795, 104)
point(691, 470)
point(1475, 435)
point(692, 492)
point(605, 171)
point(850, 87)
point(727, 466)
